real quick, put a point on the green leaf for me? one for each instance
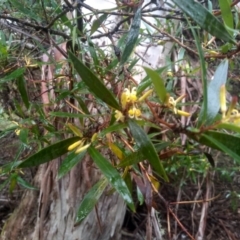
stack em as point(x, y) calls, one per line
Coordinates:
point(25, 9)
point(158, 83)
point(229, 126)
point(140, 196)
point(13, 182)
point(146, 147)
point(136, 157)
point(21, 84)
point(226, 12)
point(67, 114)
point(13, 75)
point(112, 176)
point(113, 128)
point(202, 117)
point(213, 92)
point(95, 85)
point(90, 199)
point(94, 55)
point(224, 142)
point(146, 82)
point(25, 184)
point(69, 162)
point(204, 19)
point(132, 36)
point(9, 167)
point(2, 185)
point(132, 158)
point(49, 153)
point(23, 136)
point(97, 23)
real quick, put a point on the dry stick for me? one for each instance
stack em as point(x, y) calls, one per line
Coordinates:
point(156, 225)
point(203, 219)
point(220, 56)
point(178, 200)
point(171, 126)
point(196, 201)
point(36, 27)
point(230, 235)
point(169, 210)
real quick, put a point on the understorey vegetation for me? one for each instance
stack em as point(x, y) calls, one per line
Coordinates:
point(142, 97)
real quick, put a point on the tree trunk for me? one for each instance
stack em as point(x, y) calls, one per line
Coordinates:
point(51, 213)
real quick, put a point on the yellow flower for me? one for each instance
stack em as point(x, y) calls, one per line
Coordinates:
point(145, 95)
point(230, 114)
point(134, 113)
point(119, 116)
point(172, 103)
point(82, 148)
point(169, 73)
point(223, 105)
point(79, 146)
point(234, 117)
point(183, 113)
point(17, 130)
point(76, 144)
point(128, 96)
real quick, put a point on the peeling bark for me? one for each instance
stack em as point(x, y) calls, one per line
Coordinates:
point(51, 213)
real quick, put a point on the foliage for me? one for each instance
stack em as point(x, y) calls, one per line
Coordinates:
point(139, 124)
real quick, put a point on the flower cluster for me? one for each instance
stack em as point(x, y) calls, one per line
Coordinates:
point(129, 102)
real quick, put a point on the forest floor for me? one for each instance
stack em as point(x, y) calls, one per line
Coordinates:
point(210, 206)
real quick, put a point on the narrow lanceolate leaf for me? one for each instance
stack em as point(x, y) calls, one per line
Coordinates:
point(112, 175)
point(25, 184)
point(67, 114)
point(90, 199)
point(49, 153)
point(204, 19)
point(96, 86)
point(132, 37)
point(13, 75)
point(213, 92)
point(113, 128)
point(226, 12)
point(132, 158)
point(146, 147)
point(229, 126)
point(202, 118)
point(158, 83)
point(136, 157)
point(224, 142)
point(146, 82)
point(21, 84)
point(97, 23)
point(69, 162)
